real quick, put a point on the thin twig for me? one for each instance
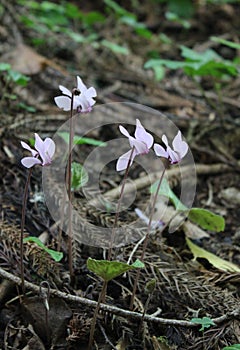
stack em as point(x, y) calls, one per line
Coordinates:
point(116, 310)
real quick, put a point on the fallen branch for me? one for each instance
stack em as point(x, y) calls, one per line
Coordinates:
point(113, 309)
point(145, 181)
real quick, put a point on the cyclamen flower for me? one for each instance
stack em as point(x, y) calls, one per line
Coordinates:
point(142, 142)
point(42, 154)
point(82, 103)
point(176, 154)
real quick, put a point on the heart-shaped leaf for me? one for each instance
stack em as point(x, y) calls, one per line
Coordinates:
point(108, 270)
point(206, 219)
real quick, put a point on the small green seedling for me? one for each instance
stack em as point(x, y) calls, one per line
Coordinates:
point(107, 270)
point(205, 322)
point(57, 256)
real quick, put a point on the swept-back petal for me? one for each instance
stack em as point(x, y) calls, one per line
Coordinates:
point(124, 159)
point(160, 151)
point(80, 85)
point(39, 144)
point(179, 145)
point(91, 92)
point(124, 131)
point(29, 162)
point(142, 135)
point(26, 146)
point(65, 91)
point(165, 140)
point(49, 146)
point(63, 102)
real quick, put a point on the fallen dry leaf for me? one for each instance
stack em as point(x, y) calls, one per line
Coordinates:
point(217, 262)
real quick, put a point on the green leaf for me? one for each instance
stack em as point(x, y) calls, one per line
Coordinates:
point(119, 10)
point(115, 47)
point(27, 108)
point(166, 191)
point(108, 270)
point(4, 67)
point(18, 78)
point(79, 176)
point(226, 42)
point(57, 256)
point(232, 347)
point(212, 258)
point(206, 219)
point(150, 286)
point(159, 72)
point(78, 140)
point(205, 322)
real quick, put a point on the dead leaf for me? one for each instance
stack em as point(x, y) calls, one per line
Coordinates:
point(27, 61)
point(217, 262)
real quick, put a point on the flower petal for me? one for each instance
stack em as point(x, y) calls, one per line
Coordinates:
point(140, 147)
point(63, 102)
point(80, 85)
point(65, 91)
point(174, 156)
point(49, 146)
point(165, 140)
point(160, 151)
point(179, 145)
point(124, 159)
point(29, 162)
point(124, 131)
point(142, 135)
point(26, 146)
point(39, 144)
point(91, 92)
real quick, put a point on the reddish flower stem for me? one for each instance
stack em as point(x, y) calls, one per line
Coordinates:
point(119, 205)
point(69, 189)
point(24, 205)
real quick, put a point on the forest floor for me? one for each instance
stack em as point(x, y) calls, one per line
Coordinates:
point(204, 108)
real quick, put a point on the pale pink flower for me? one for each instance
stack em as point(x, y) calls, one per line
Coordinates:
point(142, 142)
point(175, 154)
point(82, 103)
point(42, 153)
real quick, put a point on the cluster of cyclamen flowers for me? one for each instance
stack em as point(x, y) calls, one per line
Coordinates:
point(82, 103)
point(142, 143)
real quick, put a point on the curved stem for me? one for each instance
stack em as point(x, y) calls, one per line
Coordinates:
point(145, 242)
point(24, 205)
point(119, 205)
